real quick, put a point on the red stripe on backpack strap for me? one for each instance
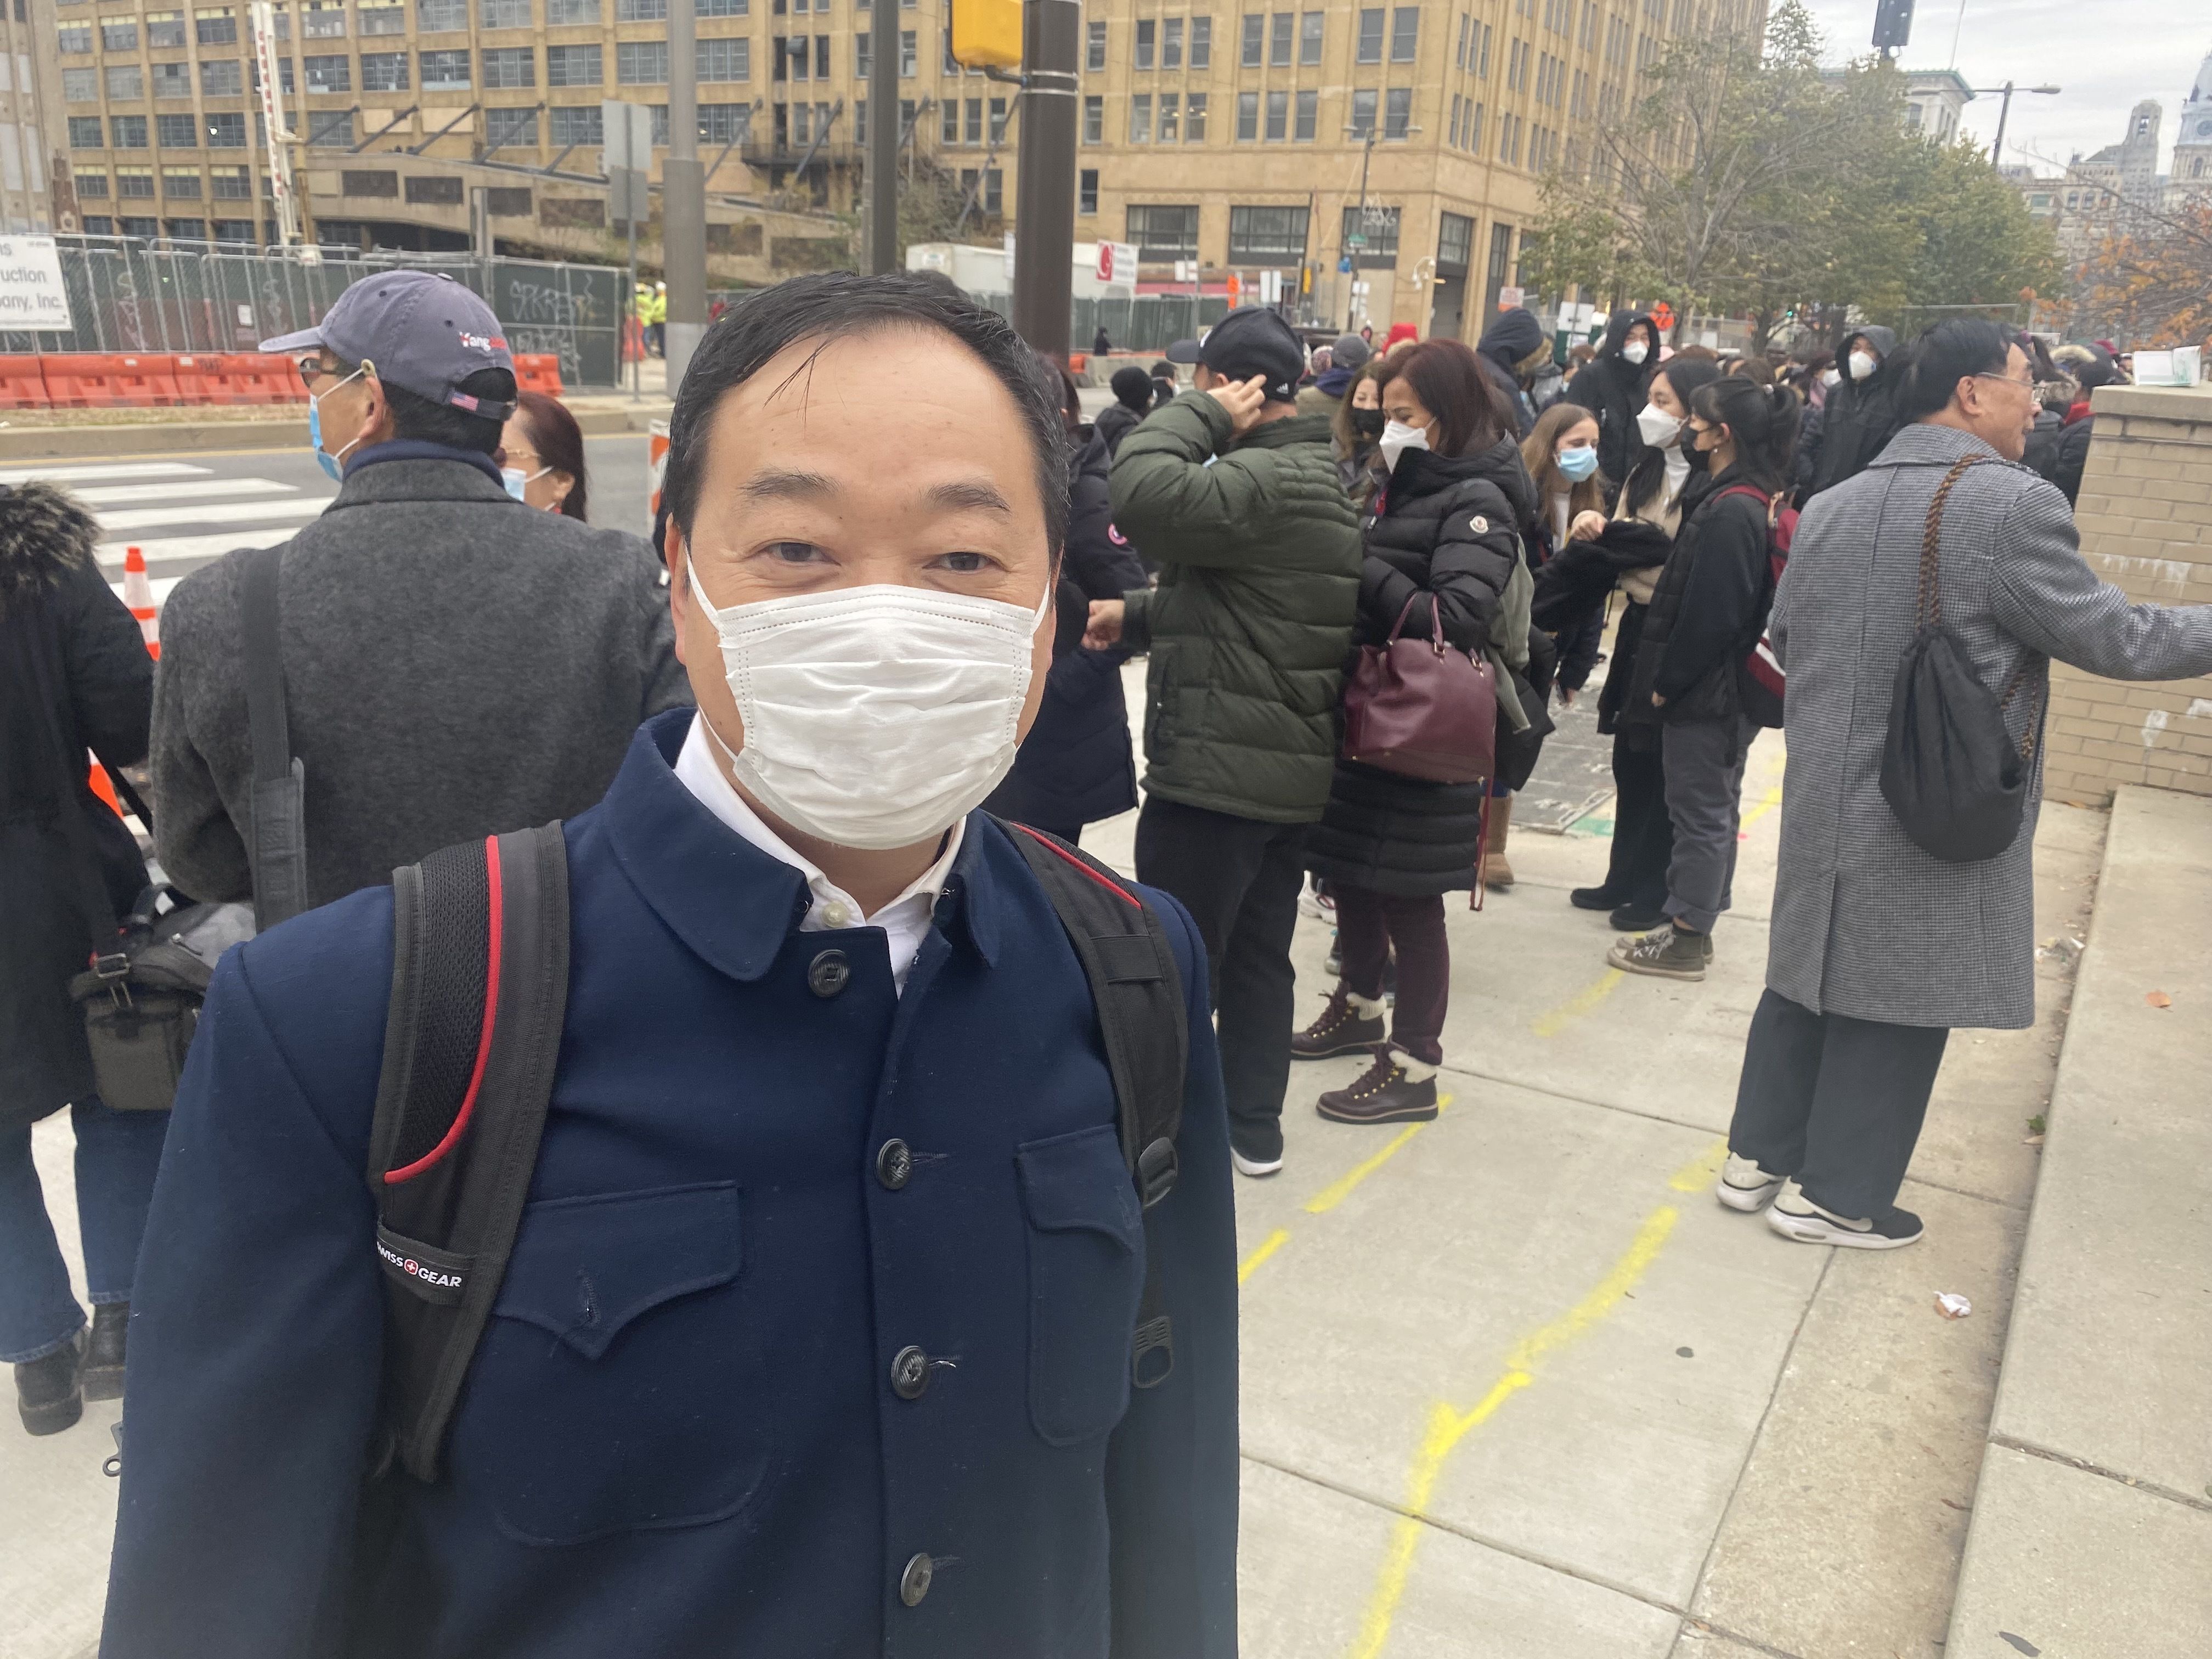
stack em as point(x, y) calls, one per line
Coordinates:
point(394, 1177)
point(1054, 847)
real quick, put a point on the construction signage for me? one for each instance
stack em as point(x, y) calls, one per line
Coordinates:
point(31, 292)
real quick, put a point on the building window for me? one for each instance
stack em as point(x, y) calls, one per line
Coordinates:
point(126, 85)
point(1170, 118)
point(567, 66)
point(165, 29)
point(1145, 30)
point(641, 63)
point(235, 230)
point(330, 73)
point(383, 19)
point(135, 182)
point(998, 120)
point(1140, 119)
point(725, 59)
point(448, 71)
point(226, 132)
point(119, 33)
point(92, 184)
point(331, 132)
point(84, 132)
point(144, 229)
point(387, 71)
point(563, 13)
point(188, 230)
point(503, 14)
point(1094, 47)
point(508, 200)
point(436, 192)
point(1248, 117)
point(99, 224)
point(1267, 235)
point(641, 11)
point(71, 41)
point(1165, 233)
point(1094, 120)
point(175, 131)
point(253, 74)
point(728, 123)
point(231, 184)
point(1171, 42)
point(1380, 228)
point(1398, 113)
point(948, 122)
point(181, 183)
point(1362, 112)
point(863, 58)
point(1193, 118)
point(1371, 35)
point(1255, 32)
point(1308, 117)
point(510, 66)
point(321, 21)
point(1404, 34)
point(575, 123)
point(436, 17)
point(80, 86)
point(1310, 27)
point(1086, 190)
point(1279, 38)
point(1201, 43)
point(909, 59)
point(1279, 117)
point(365, 181)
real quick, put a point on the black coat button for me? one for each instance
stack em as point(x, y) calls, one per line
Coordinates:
point(894, 1164)
point(913, 1582)
point(909, 1372)
point(829, 974)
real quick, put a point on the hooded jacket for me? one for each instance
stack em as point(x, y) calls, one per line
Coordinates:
point(1859, 417)
point(1504, 343)
point(1615, 390)
point(1708, 609)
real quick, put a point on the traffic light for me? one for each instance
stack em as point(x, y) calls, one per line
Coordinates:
point(1892, 26)
point(987, 34)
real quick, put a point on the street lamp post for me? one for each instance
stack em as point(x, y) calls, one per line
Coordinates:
point(1352, 287)
point(2004, 110)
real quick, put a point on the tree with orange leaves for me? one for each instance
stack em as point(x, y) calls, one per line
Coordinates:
point(2149, 283)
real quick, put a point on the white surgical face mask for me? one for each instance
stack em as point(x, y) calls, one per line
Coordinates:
point(1862, 364)
point(1635, 352)
point(1830, 377)
point(1660, 429)
point(875, 717)
point(1397, 438)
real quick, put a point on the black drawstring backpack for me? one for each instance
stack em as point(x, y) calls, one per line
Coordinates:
point(1957, 782)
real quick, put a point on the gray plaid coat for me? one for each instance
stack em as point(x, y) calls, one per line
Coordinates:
point(1865, 923)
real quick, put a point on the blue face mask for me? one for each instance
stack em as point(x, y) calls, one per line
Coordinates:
point(328, 463)
point(1578, 464)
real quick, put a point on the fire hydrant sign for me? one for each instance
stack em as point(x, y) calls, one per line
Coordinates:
point(31, 292)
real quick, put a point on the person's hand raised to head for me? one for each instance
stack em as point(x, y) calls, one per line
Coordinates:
point(1241, 400)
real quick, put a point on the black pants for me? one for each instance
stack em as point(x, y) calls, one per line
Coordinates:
point(1836, 1101)
point(1643, 833)
point(1239, 879)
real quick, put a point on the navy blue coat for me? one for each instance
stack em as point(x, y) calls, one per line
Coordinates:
point(679, 1436)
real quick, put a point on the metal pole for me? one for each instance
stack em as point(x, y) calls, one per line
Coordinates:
point(637, 364)
point(2004, 111)
point(1351, 305)
point(1044, 203)
point(682, 198)
point(882, 138)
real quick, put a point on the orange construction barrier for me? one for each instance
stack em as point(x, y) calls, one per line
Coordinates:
point(83, 380)
point(298, 386)
point(1077, 361)
point(539, 372)
point(195, 377)
point(147, 380)
point(253, 378)
point(138, 594)
point(22, 384)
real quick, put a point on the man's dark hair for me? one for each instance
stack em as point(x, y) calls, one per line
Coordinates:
point(836, 306)
point(414, 416)
point(1448, 378)
point(1762, 420)
point(1944, 355)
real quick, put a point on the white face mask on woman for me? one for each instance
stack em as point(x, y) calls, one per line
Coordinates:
point(1660, 429)
point(1397, 438)
point(875, 717)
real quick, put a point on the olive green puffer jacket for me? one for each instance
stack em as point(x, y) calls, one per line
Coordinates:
point(1260, 559)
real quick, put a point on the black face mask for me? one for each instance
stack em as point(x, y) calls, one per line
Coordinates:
point(1369, 422)
point(1700, 460)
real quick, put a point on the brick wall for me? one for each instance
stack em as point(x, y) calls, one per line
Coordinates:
point(2145, 514)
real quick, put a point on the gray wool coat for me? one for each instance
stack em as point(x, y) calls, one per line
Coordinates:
point(1865, 923)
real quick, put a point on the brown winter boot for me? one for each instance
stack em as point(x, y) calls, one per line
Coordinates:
point(1497, 872)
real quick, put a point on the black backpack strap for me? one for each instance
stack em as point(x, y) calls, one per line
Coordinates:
point(1138, 991)
point(277, 850)
point(479, 993)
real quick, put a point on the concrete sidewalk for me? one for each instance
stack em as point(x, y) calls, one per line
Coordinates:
point(1513, 1383)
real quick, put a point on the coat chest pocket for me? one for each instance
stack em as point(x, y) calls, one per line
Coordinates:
point(609, 1393)
point(1086, 1275)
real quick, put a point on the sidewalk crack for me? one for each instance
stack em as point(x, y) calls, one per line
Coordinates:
point(2153, 1488)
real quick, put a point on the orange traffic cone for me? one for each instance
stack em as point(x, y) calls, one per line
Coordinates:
point(138, 594)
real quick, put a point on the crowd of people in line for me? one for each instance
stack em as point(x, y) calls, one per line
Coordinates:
point(928, 570)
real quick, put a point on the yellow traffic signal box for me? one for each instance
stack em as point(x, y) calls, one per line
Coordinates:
point(987, 34)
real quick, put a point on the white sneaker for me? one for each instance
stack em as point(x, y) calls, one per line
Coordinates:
point(1744, 1186)
point(1796, 1216)
point(1253, 1166)
point(1311, 903)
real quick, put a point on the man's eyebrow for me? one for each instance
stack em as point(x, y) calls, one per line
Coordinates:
point(785, 485)
point(972, 495)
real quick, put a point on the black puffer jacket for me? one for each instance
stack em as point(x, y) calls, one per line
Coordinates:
point(1448, 538)
point(1117, 421)
point(1706, 613)
point(73, 670)
point(1615, 390)
point(1858, 418)
point(1504, 343)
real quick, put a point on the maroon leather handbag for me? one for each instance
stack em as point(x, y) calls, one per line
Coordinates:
point(1422, 708)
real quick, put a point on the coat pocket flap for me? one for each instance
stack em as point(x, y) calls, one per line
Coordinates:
point(1079, 1181)
point(585, 1267)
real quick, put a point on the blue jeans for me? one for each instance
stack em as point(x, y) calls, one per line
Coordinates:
point(118, 1155)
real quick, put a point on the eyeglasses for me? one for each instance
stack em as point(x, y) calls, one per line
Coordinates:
point(2009, 379)
point(311, 370)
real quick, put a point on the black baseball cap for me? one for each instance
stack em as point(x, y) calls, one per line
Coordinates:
point(1251, 340)
point(424, 332)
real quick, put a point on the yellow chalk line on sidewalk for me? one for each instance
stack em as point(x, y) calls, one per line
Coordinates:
point(1335, 1193)
point(1767, 803)
point(1449, 1426)
point(1554, 1021)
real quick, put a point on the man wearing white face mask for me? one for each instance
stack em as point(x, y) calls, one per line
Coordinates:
point(1858, 417)
point(827, 1316)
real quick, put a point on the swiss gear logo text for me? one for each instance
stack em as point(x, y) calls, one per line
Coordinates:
point(418, 1270)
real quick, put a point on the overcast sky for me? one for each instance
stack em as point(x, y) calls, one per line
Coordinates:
point(2105, 54)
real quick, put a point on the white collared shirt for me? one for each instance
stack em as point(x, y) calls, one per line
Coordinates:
point(904, 920)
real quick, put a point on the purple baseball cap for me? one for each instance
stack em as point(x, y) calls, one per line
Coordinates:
point(423, 330)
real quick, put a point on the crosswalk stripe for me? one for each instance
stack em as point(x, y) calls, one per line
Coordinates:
point(160, 549)
point(213, 512)
point(116, 495)
point(21, 475)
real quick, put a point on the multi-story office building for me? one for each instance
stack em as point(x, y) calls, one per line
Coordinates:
point(27, 82)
